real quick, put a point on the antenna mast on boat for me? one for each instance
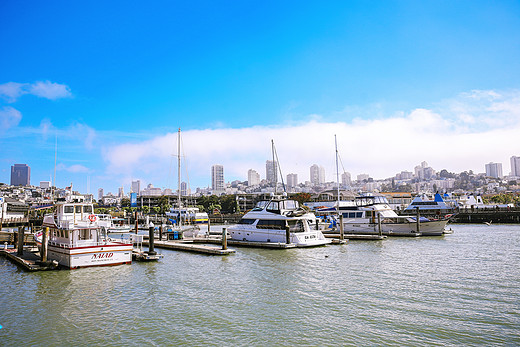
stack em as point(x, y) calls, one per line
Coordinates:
point(274, 169)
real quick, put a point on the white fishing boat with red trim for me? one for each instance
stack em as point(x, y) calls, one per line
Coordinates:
point(77, 239)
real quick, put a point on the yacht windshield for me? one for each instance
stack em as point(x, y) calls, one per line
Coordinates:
point(290, 205)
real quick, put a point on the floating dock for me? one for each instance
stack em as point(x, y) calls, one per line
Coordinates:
point(356, 237)
point(141, 255)
point(189, 246)
point(29, 260)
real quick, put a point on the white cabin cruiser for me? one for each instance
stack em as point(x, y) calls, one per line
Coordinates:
point(270, 219)
point(361, 217)
point(77, 239)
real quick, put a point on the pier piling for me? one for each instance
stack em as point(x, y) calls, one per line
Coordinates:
point(21, 232)
point(287, 235)
point(45, 236)
point(151, 250)
point(379, 224)
point(224, 238)
point(341, 231)
point(418, 221)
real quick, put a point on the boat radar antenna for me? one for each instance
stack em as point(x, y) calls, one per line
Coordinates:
point(275, 155)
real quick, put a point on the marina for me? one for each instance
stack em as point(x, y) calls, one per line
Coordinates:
point(458, 289)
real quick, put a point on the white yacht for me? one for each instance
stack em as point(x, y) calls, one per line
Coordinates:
point(269, 220)
point(361, 217)
point(78, 239)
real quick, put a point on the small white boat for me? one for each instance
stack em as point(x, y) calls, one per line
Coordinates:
point(270, 219)
point(78, 239)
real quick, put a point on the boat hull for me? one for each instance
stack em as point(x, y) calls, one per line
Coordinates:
point(430, 228)
point(79, 257)
point(301, 239)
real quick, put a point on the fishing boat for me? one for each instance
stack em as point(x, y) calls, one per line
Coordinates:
point(77, 239)
point(371, 214)
point(270, 220)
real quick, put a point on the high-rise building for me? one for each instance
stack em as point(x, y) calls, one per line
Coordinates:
point(317, 175)
point(515, 166)
point(292, 180)
point(362, 177)
point(217, 177)
point(346, 179)
point(20, 175)
point(494, 170)
point(136, 187)
point(45, 184)
point(121, 192)
point(271, 171)
point(100, 194)
point(253, 178)
point(184, 189)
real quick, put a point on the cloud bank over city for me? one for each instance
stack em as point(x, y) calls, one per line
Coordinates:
point(462, 133)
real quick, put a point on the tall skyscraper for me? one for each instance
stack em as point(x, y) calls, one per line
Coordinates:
point(494, 170)
point(121, 192)
point(346, 179)
point(100, 194)
point(515, 166)
point(271, 171)
point(317, 175)
point(217, 177)
point(292, 180)
point(20, 175)
point(253, 178)
point(184, 189)
point(136, 187)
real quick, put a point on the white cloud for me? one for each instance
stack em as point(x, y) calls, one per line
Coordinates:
point(50, 90)
point(9, 117)
point(11, 91)
point(76, 168)
point(457, 135)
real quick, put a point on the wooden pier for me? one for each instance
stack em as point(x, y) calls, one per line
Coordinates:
point(190, 246)
point(356, 237)
point(29, 260)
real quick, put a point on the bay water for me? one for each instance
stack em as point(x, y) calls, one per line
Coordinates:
point(458, 289)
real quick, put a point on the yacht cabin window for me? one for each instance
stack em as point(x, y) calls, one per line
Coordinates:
point(68, 209)
point(78, 209)
point(87, 209)
point(273, 207)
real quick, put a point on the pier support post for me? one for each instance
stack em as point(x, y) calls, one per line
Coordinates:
point(21, 232)
point(151, 250)
point(418, 217)
point(341, 231)
point(379, 224)
point(287, 235)
point(209, 225)
point(224, 238)
point(160, 232)
point(45, 236)
point(136, 223)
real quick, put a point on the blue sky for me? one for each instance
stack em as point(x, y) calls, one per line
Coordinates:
point(399, 82)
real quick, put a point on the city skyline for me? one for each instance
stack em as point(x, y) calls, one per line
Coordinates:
point(423, 172)
point(99, 104)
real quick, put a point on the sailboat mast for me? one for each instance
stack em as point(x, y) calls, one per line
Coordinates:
point(337, 169)
point(274, 169)
point(179, 175)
